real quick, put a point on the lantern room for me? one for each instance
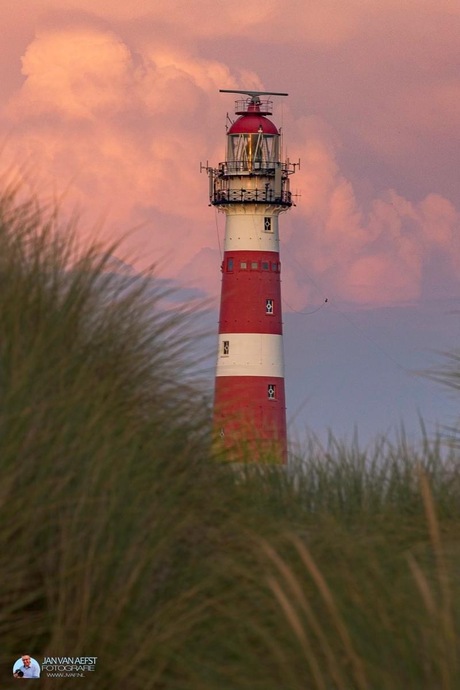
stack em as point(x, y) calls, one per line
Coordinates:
point(253, 144)
point(253, 172)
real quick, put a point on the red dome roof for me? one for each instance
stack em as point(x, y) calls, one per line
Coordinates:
point(250, 123)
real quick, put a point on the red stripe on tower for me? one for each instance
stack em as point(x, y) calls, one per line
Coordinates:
point(252, 188)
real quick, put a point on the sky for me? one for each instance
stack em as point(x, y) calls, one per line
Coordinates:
point(110, 107)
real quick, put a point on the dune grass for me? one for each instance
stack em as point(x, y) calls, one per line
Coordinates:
point(123, 537)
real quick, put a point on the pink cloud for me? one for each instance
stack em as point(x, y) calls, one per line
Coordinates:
point(365, 253)
point(116, 106)
point(118, 133)
point(74, 74)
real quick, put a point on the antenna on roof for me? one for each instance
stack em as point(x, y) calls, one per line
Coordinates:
point(254, 94)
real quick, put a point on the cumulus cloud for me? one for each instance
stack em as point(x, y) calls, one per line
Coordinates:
point(75, 74)
point(369, 254)
point(127, 131)
point(118, 104)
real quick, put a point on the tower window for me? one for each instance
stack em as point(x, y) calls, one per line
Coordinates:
point(265, 265)
point(274, 266)
point(269, 306)
point(254, 265)
point(230, 264)
point(226, 347)
point(243, 265)
point(271, 391)
point(268, 225)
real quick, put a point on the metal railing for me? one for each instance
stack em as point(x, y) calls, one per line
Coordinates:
point(255, 168)
point(251, 196)
point(247, 105)
point(258, 167)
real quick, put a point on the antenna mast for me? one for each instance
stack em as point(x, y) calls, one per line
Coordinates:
point(253, 94)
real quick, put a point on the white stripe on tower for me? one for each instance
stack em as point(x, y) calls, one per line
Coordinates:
point(245, 231)
point(250, 354)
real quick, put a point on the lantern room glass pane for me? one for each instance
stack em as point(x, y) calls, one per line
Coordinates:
point(252, 151)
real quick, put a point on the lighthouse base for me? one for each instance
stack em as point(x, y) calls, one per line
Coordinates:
point(250, 418)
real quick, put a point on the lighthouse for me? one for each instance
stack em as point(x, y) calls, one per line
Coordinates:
point(251, 187)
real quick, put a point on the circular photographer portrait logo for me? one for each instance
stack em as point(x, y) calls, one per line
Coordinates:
point(26, 667)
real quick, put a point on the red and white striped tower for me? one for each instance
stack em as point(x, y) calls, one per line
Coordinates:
point(252, 188)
